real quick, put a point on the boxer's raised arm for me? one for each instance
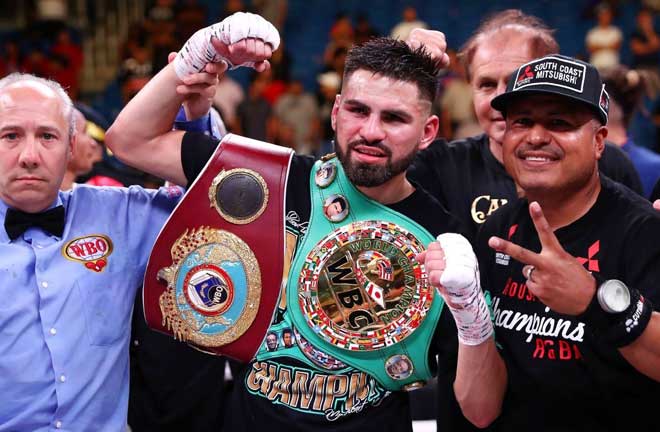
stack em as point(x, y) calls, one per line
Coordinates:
point(141, 136)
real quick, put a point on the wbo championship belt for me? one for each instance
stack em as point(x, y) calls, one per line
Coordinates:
point(210, 281)
point(357, 291)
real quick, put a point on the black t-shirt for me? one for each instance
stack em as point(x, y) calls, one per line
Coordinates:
point(656, 192)
point(560, 377)
point(471, 183)
point(171, 396)
point(284, 394)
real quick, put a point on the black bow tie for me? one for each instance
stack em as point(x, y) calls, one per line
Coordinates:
point(52, 221)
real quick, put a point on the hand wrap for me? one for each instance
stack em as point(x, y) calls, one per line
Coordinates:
point(463, 293)
point(198, 51)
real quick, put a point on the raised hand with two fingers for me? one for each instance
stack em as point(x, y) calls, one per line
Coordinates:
point(554, 276)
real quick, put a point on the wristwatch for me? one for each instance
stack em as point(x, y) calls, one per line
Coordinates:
point(613, 296)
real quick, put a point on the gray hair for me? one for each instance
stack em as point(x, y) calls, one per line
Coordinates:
point(67, 103)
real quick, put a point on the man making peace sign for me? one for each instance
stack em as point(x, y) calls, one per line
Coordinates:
point(582, 349)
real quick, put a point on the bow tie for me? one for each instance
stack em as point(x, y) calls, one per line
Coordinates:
point(52, 221)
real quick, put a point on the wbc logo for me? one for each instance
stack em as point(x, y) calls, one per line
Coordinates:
point(92, 250)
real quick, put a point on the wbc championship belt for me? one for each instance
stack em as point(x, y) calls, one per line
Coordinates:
point(213, 278)
point(357, 292)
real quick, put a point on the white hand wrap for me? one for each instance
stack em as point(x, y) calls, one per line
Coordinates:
point(463, 294)
point(198, 50)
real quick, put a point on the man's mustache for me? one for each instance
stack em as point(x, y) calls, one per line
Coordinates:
point(376, 144)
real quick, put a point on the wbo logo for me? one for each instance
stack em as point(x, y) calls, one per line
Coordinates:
point(92, 251)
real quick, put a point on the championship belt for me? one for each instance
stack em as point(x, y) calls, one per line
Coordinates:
point(359, 293)
point(214, 275)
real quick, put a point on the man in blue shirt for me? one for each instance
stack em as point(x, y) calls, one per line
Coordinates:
point(70, 264)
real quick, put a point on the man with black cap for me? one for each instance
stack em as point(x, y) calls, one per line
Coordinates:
point(574, 268)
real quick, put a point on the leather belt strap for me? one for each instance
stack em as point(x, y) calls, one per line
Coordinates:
point(213, 278)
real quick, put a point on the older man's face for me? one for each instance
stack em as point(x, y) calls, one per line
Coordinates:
point(34, 145)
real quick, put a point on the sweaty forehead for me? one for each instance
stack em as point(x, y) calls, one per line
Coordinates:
point(381, 92)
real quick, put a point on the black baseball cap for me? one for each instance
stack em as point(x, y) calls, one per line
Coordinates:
point(560, 75)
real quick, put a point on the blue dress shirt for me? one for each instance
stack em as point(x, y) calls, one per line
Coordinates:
point(66, 305)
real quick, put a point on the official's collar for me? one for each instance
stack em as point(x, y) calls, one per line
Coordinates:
point(4, 238)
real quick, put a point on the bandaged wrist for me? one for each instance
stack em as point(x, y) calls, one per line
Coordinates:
point(463, 293)
point(198, 51)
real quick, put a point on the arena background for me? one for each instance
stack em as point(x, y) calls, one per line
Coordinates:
point(103, 51)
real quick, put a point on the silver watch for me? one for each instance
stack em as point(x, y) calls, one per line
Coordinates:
point(613, 296)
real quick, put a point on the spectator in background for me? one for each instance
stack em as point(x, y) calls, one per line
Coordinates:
point(85, 153)
point(626, 89)
point(189, 16)
point(228, 96)
point(9, 58)
point(604, 41)
point(138, 66)
point(70, 59)
point(49, 16)
point(410, 21)
point(254, 114)
point(329, 85)
point(108, 171)
point(338, 61)
point(232, 6)
point(137, 37)
point(644, 42)
point(363, 29)
point(35, 62)
point(298, 109)
point(645, 47)
point(457, 118)
point(280, 64)
point(161, 26)
point(274, 87)
point(274, 11)
point(342, 37)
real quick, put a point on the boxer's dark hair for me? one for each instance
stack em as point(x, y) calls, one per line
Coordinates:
point(393, 58)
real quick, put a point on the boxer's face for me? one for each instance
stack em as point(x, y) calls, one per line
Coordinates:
point(380, 125)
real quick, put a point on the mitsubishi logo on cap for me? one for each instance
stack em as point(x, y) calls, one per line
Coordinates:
point(552, 71)
point(524, 76)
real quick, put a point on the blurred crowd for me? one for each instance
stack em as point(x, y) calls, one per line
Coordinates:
point(276, 106)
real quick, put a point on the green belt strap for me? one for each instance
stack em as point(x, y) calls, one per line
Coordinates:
point(413, 308)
